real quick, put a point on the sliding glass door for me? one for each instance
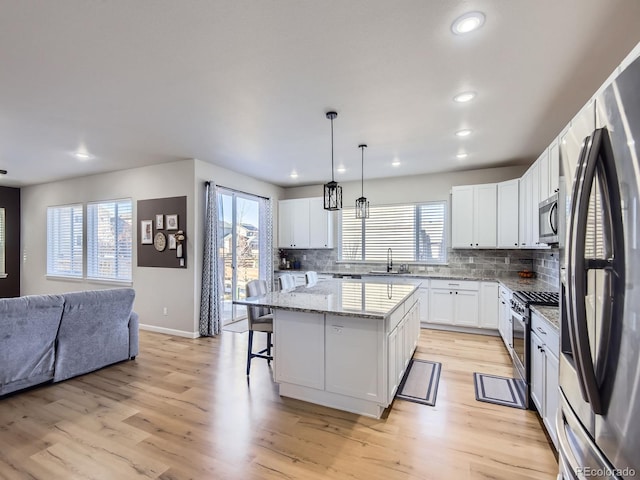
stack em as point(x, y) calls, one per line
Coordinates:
point(243, 247)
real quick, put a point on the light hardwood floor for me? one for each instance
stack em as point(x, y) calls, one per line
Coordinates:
point(185, 410)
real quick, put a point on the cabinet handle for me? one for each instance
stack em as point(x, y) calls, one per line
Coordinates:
point(450, 293)
point(516, 244)
point(541, 330)
point(471, 244)
point(476, 244)
point(456, 293)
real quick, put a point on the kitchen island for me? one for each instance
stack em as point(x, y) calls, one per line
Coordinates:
point(343, 343)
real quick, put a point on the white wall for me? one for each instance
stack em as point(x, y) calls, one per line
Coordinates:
point(413, 189)
point(176, 289)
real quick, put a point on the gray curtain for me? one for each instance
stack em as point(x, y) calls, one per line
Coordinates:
point(210, 299)
point(266, 241)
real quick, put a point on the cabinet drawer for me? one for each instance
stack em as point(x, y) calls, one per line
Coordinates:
point(505, 293)
point(456, 284)
point(546, 333)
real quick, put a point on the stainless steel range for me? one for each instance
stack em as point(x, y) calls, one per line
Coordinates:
point(521, 331)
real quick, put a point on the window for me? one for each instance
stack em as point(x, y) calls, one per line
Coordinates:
point(415, 233)
point(109, 240)
point(64, 241)
point(2, 243)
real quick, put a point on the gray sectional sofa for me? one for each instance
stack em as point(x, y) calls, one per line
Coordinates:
point(54, 337)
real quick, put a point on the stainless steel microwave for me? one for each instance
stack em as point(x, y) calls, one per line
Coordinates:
point(548, 220)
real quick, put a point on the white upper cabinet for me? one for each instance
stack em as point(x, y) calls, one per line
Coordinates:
point(304, 223)
point(320, 224)
point(549, 166)
point(544, 178)
point(554, 168)
point(508, 214)
point(474, 216)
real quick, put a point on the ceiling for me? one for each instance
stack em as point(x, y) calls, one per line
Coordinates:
point(245, 84)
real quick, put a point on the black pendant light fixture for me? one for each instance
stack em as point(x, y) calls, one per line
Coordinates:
point(362, 204)
point(332, 191)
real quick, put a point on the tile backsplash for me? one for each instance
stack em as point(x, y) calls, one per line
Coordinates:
point(477, 263)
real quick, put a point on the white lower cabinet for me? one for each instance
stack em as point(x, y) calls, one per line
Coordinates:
point(355, 372)
point(454, 302)
point(545, 343)
point(504, 321)
point(489, 303)
point(402, 341)
point(292, 327)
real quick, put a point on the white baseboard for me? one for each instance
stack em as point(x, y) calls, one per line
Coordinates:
point(169, 331)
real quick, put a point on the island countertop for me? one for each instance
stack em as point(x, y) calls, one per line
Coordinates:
point(365, 299)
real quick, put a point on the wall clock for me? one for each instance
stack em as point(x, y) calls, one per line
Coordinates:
point(160, 241)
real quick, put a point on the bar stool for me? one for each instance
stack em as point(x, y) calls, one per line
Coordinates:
point(287, 282)
point(260, 319)
point(311, 278)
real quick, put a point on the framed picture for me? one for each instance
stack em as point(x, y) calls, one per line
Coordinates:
point(160, 222)
point(172, 222)
point(146, 232)
point(172, 242)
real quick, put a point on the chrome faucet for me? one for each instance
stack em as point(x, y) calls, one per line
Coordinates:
point(389, 260)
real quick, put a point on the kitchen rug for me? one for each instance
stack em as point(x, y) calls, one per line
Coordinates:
point(420, 382)
point(237, 327)
point(498, 390)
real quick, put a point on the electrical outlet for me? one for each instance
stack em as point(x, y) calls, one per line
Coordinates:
point(507, 260)
point(470, 259)
point(347, 266)
point(165, 311)
point(421, 269)
point(429, 269)
point(304, 257)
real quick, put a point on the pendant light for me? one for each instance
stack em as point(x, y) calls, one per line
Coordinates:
point(362, 204)
point(332, 191)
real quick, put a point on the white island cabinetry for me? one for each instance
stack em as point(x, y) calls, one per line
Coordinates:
point(343, 344)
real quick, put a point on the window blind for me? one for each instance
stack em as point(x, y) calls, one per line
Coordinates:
point(2, 242)
point(415, 233)
point(109, 240)
point(64, 241)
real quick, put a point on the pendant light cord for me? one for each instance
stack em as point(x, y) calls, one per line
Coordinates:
point(332, 149)
point(362, 176)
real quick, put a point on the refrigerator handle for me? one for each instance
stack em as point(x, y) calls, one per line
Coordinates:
point(600, 161)
point(582, 352)
point(571, 271)
point(614, 262)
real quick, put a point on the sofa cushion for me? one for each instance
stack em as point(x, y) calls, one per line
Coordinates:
point(28, 329)
point(94, 331)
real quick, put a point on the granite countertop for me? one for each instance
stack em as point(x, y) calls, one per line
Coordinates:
point(376, 300)
point(551, 314)
point(418, 275)
point(527, 284)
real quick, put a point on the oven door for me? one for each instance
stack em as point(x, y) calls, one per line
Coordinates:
point(520, 336)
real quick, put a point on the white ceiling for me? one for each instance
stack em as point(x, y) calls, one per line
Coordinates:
point(245, 84)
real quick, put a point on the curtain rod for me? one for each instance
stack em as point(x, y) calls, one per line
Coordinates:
point(208, 183)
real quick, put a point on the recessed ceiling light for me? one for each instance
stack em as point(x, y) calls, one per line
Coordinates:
point(463, 133)
point(467, 23)
point(83, 155)
point(462, 155)
point(464, 97)
point(341, 169)
point(396, 162)
point(293, 174)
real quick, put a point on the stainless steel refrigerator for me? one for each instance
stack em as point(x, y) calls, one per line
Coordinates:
point(599, 203)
